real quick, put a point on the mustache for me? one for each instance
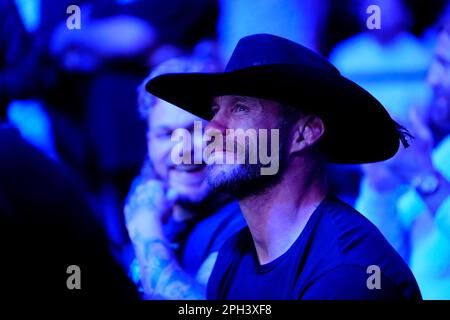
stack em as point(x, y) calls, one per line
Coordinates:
point(228, 144)
point(234, 147)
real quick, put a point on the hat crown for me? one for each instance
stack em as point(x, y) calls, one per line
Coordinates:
point(267, 49)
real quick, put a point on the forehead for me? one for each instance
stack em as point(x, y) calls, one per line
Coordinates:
point(231, 99)
point(164, 114)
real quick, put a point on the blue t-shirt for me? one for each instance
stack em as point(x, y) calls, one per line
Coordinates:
point(209, 234)
point(336, 256)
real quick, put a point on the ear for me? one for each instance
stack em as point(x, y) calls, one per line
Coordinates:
point(306, 132)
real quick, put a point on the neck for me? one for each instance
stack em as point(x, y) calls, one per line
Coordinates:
point(277, 216)
point(186, 211)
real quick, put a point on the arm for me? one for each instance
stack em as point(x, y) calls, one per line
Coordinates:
point(417, 167)
point(162, 277)
point(377, 201)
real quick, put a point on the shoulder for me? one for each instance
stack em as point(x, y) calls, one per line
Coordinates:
point(222, 224)
point(352, 282)
point(352, 238)
point(347, 241)
point(347, 228)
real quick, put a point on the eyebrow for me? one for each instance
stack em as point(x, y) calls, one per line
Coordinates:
point(243, 99)
point(237, 99)
point(162, 128)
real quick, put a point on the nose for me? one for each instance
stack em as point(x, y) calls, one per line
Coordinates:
point(217, 123)
point(197, 142)
point(215, 129)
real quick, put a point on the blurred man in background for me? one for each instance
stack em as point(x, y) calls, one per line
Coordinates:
point(389, 62)
point(81, 112)
point(176, 223)
point(408, 198)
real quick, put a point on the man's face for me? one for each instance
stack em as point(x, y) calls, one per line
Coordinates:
point(238, 112)
point(439, 79)
point(189, 180)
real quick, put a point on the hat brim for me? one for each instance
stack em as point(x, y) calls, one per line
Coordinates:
point(358, 129)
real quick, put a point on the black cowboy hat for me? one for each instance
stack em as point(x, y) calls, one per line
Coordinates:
point(358, 129)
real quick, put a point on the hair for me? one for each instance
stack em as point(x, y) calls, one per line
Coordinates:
point(186, 64)
point(289, 115)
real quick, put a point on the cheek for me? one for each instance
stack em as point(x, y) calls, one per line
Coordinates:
point(243, 123)
point(159, 155)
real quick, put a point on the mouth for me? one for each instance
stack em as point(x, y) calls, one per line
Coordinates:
point(221, 156)
point(187, 175)
point(189, 168)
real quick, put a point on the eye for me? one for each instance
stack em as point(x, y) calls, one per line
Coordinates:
point(240, 108)
point(164, 134)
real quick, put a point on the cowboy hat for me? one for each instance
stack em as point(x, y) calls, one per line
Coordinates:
point(358, 129)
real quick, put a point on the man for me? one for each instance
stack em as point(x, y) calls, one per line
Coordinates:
point(371, 58)
point(301, 241)
point(408, 198)
point(47, 223)
point(175, 222)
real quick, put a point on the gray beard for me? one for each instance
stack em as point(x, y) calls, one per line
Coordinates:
point(243, 180)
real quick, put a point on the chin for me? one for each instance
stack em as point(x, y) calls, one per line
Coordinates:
point(240, 180)
point(219, 174)
point(235, 179)
point(193, 194)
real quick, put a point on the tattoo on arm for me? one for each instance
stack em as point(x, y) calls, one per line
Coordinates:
point(163, 278)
